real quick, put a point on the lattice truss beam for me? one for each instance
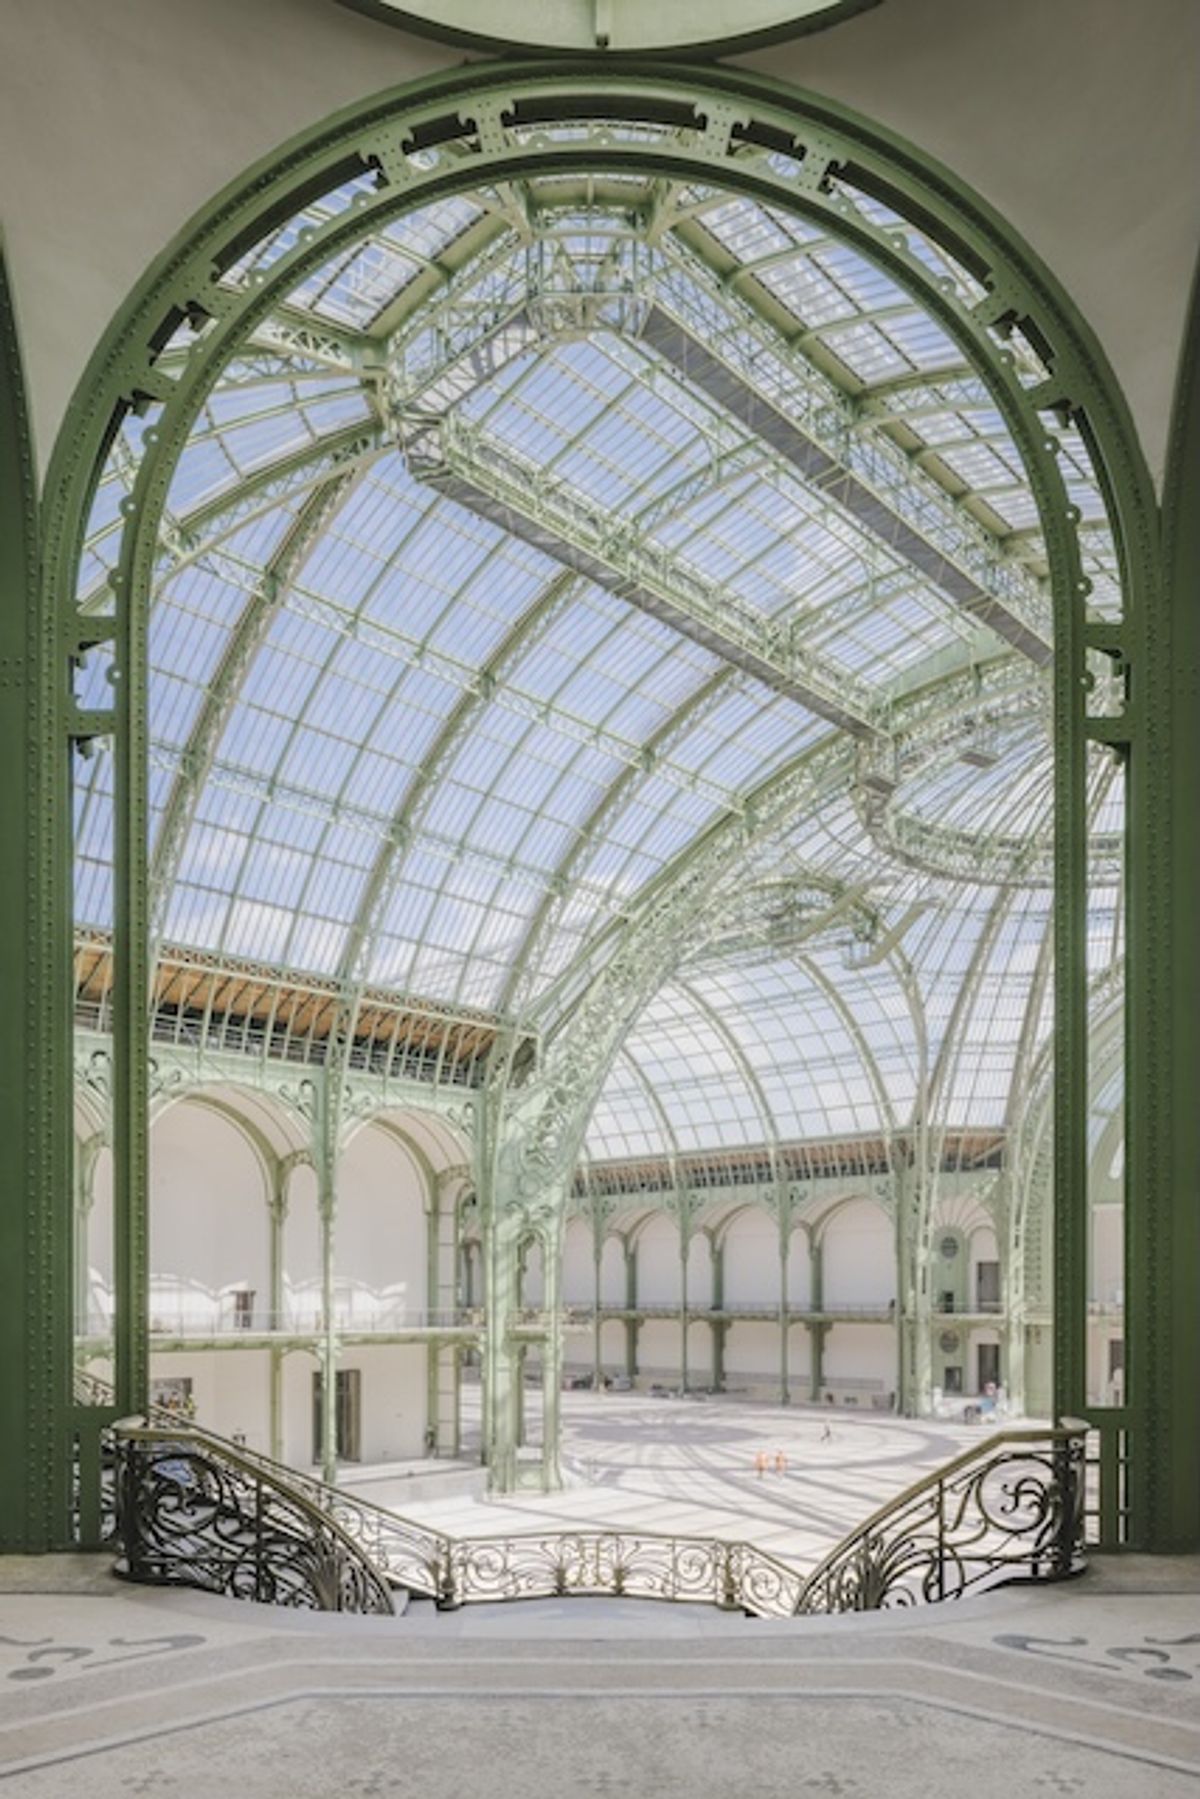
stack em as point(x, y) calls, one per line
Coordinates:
point(903, 489)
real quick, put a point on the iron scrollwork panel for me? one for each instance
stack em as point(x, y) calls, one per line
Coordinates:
point(190, 1517)
point(1013, 1512)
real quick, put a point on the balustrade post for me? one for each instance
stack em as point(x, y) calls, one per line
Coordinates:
point(597, 1318)
point(941, 1539)
point(685, 1243)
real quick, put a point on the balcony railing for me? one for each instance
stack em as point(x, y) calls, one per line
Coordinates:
point(223, 1324)
point(197, 1511)
point(1011, 1509)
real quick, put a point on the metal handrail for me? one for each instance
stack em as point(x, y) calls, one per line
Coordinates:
point(595, 1562)
point(1008, 1509)
point(193, 1511)
point(599, 1562)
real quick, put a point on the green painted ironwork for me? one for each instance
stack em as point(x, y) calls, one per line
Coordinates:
point(1009, 1509)
point(619, 27)
point(35, 1123)
point(795, 151)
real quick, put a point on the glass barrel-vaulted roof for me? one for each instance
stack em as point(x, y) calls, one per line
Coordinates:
point(495, 573)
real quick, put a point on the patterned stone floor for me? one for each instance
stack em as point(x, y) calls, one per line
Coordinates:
point(687, 1467)
point(1092, 1687)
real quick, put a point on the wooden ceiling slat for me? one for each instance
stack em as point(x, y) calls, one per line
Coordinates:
point(230, 990)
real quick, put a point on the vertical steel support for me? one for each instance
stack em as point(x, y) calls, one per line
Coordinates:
point(598, 1316)
point(35, 1023)
point(1163, 1010)
point(685, 1245)
point(1070, 1076)
point(631, 1321)
point(130, 999)
point(278, 1218)
point(816, 1303)
point(325, 1149)
point(785, 1379)
point(552, 1348)
point(718, 1326)
point(501, 1357)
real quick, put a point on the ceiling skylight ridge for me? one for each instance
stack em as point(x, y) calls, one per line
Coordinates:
point(515, 494)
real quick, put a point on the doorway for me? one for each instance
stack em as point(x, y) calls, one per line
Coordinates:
point(348, 1410)
point(987, 1366)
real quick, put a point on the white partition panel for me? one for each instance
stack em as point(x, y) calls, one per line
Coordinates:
point(859, 1255)
point(658, 1268)
point(380, 1241)
point(752, 1258)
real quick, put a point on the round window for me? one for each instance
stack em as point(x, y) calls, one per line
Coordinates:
point(628, 25)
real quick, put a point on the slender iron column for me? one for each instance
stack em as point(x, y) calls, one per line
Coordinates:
point(785, 1372)
point(597, 1319)
point(1162, 1159)
point(816, 1299)
point(325, 1158)
point(278, 1211)
point(35, 1023)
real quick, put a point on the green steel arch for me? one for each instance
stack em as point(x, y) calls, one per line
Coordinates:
point(724, 127)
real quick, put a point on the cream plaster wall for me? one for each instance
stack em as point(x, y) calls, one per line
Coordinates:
point(117, 122)
point(859, 1255)
point(752, 1271)
point(578, 1268)
point(860, 1353)
point(209, 1218)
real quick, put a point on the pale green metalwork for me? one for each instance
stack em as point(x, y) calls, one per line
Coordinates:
point(825, 436)
point(530, 1158)
point(617, 26)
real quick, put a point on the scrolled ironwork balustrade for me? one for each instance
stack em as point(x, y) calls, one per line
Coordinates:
point(403, 1553)
point(198, 1511)
point(614, 1564)
point(190, 1513)
point(1009, 1510)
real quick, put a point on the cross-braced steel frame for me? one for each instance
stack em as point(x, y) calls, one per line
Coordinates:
point(162, 357)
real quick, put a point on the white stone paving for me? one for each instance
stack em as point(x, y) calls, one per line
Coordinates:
point(687, 1467)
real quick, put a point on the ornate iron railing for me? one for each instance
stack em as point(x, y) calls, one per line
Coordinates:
point(197, 1510)
point(190, 1513)
point(176, 1522)
point(402, 1553)
point(1010, 1509)
point(614, 1564)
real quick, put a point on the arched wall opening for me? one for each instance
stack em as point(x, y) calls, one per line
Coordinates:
point(794, 152)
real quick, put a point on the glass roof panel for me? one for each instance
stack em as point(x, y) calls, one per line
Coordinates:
point(411, 745)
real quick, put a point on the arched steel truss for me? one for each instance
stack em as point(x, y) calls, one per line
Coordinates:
point(204, 300)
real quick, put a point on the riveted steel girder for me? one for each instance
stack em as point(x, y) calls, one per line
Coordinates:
point(516, 495)
point(830, 459)
point(467, 127)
